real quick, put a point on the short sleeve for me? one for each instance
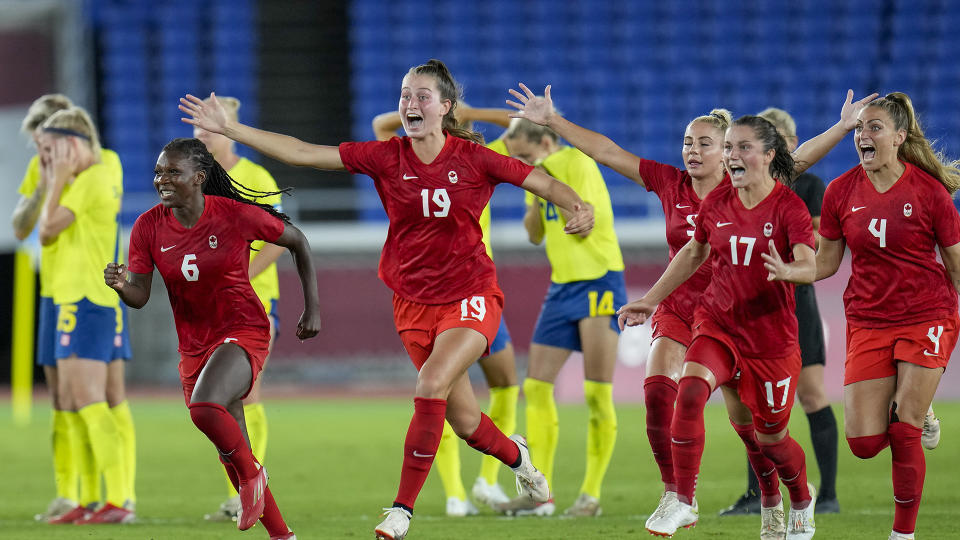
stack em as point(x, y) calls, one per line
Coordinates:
point(946, 221)
point(799, 223)
point(364, 157)
point(700, 232)
point(30, 178)
point(139, 256)
point(258, 224)
point(830, 227)
point(501, 168)
point(657, 176)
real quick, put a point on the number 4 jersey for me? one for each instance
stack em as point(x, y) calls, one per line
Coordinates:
point(758, 314)
point(896, 279)
point(205, 267)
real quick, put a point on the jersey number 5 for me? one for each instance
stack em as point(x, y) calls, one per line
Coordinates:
point(440, 198)
point(190, 270)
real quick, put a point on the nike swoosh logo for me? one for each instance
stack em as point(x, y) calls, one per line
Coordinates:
point(855, 208)
point(418, 454)
point(682, 206)
point(895, 499)
point(724, 224)
point(679, 442)
point(405, 177)
point(166, 249)
point(925, 353)
point(768, 424)
point(775, 411)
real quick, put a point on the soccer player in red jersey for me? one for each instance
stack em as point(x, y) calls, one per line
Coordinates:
point(199, 237)
point(893, 210)
point(745, 321)
point(433, 184)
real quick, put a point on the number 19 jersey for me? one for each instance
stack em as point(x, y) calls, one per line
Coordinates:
point(205, 267)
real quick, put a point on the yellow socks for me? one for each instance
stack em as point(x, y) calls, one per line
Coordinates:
point(255, 417)
point(447, 463)
point(128, 451)
point(83, 455)
point(601, 434)
point(105, 441)
point(542, 424)
point(503, 412)
point(66, 473)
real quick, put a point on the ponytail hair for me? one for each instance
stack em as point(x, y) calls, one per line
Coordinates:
point(782, 166)
point(217, 181)
point(718, 118)
point(916, 148)
point(449, 91)
point(74, 122)
point(41, 109)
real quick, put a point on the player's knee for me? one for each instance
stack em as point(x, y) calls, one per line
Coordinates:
point(869, 446)
point(431, 386)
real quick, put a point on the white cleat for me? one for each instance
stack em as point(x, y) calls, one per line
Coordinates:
point(57, 507)
point(680, 515)
point(530, 481)
point(460, 507)
point(227, 512)
point(488, 494)
point(930, 438)
point(894, 535)
point(664, 507)
point(773, 523)
point(523, 505)
point(800, 524)
point(395, 526)
point(584, 506)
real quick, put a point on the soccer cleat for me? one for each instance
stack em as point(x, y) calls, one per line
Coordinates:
point(667, 500)
point(530, 481)
point(748, 503)
point(584, 506)
point(894, 535)
point(77, 514)
point(288, 536)
point(773, 523)
point(800, 524)
point(252, 500)
point(227, 512)
point(679, 515)
point(930, 438)
point(460, 507)
point(57, 507)
point(827, 506)
point(525, 506)
point(108, 513)
point(395, 526)
point(488, 494)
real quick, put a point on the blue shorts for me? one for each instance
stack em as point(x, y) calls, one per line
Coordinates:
point(502, 340)
point(93, 332)
point(46, 332)
point(274, 315)
point(567, 303)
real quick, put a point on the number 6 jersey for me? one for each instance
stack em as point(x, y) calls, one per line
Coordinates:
point(205, 267)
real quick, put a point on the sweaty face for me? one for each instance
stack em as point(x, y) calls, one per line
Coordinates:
point(175, 180)
point(743, 156)
point(526, 150)
point(877, 139)
point(702, 150)
point(421, 106)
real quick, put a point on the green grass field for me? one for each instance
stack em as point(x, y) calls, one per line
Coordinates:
point(334, 464)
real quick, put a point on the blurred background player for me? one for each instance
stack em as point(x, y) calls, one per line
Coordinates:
point(80, 216)
point(263, 278)
point(199, 237)
point(893, 211)
point(499, 367)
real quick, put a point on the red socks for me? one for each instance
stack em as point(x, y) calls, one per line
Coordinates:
point(491, 441)
point(909, 469)
point(688, 435)
point(419, 448)
point(791, 465)
point(659, 395)
point(223, 431)
point(765, 470)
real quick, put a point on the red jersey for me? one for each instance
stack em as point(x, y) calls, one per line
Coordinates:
point(205, 267)
point(680, 203)
point(896, 279)
point(434, 252)
point(758, 314)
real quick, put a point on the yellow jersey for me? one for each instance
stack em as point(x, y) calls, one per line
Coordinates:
point(86, 246)
point(266, 284)
point(27, 188)
point(573, 258)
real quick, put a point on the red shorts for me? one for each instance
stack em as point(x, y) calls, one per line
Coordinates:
point(873, 353)
point(767, 386)
point(255, 343)
point(666, 323)
point(420, 324)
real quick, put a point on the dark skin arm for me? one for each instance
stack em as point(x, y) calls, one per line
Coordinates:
point(296, 242)
point(133, 289)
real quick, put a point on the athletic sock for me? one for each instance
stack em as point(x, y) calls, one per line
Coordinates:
point(66, 473)
point(503, 413)
point(447, 463)
point(255, 418)
point(543, 426)
point(491, 441)
point(791, 465)
point(106, 444)
point(128, 453)
point(688, 435)
point(760, 465)
point(823, 435)
point(659, 395)
point(601, 434)
point(272, 519)
point(909, 469)
point(420, 447)
point(90, 492)
point(224, 432)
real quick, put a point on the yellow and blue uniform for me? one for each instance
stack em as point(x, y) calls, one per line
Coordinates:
point(586, 273)
point(502, 338)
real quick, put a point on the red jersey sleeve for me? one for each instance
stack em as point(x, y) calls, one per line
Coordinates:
point(364, 157)
point(799, 222)
point(258, 224)
point(139, 255)
point(500, 168)
point(946, 220)
point(701, 232)
point(656, 176)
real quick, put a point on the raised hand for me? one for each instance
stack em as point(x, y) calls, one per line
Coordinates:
point(209, 115)
point(534, 108)
point(777, 270)
point(851, 109)
point(581, 221)
point(113, 275)
point(635, 313)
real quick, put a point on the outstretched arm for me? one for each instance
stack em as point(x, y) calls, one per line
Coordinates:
point(601, 148)
point(814, 149)
point(212, 117)
point(577, 212)
point(293, 239)
point(683, 265)
point(133, 289)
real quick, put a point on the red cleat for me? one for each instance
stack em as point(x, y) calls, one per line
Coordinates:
point(108, 514)
point(252, 500)
point(77, 514)
point(288, 536)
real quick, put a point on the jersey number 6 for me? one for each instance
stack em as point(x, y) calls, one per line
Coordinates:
point(190, 270)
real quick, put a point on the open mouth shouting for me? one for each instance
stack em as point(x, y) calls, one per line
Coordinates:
point(867, 151)
point(737, 171)
point(414, 121)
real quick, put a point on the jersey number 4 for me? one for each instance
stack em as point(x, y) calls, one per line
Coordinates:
point(190, 270)
point(439, 198)
point(878, 228)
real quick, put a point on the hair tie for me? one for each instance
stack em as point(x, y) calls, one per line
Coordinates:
point(66, 131)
